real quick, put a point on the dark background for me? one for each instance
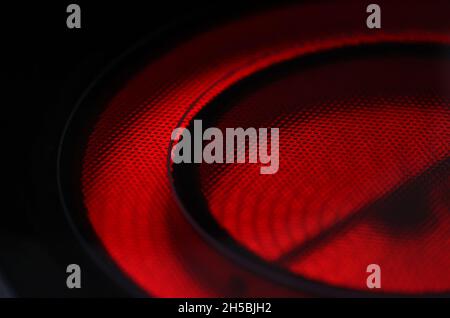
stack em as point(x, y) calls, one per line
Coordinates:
point(46, 68)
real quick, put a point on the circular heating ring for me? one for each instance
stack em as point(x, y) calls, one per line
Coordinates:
point(212, 194)
point(152, 266)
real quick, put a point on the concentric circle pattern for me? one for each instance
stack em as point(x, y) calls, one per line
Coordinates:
point(363, 179)
point(364, 156)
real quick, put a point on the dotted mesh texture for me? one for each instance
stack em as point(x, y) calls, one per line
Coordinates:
point(364, 175)
point(125, 184)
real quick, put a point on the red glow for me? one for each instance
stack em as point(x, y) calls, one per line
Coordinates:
point(130, 204)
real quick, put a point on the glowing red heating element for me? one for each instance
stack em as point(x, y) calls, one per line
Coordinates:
point(364, 158)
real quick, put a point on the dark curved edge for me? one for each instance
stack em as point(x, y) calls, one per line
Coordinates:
point(85, 111)
point(193, 203)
